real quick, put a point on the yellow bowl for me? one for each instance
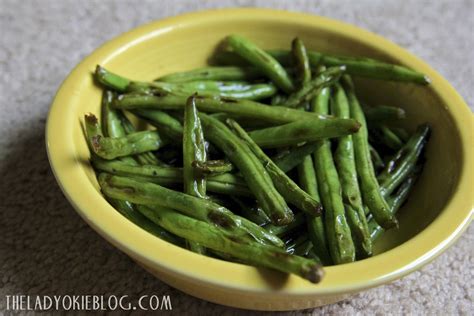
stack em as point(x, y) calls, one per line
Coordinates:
point(438, 211)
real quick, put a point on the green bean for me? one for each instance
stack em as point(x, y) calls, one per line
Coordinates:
point(338, 232)
point(212, 167)
point(376, 159)
point(316, 230)
point(300, 57)
point(346, 169)
point(256, 91)
point(288, 160)
point(299, 221)
point(93, 129)
point(287, 187)
point(392, 196)
point(229, 73)
point(232, 107)
point(252, 92)
point(369, 186)
point(307, 177)
point(146, 158)
point(110, 148)
point(255, 175)
point(122, 84)
point(111, 123)
point(150, 194)
point(111, 80)
point(262, 61)
point(377, 114)
point(310, 89)
point(194, 149)
point(166, 176)
point(356, 66)
point(402, 157)
point(387, 137)
point(404, 161)
point(395, 202)
point(132, 144)
point(230, 89)
point(303, 131)
point(219, 239)
point(205, 85)
point(210, 88)
point(164, 123)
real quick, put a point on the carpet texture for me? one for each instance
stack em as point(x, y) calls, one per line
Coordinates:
point(45, 248)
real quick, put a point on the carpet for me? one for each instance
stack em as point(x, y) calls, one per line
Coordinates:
point(46, 248)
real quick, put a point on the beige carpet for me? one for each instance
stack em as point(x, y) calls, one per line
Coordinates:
point(45, 248)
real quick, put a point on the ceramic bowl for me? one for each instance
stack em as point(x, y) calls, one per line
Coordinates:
point(438, 211)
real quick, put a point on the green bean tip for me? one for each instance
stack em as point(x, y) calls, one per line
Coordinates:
point(90, 118)
point(314, 274)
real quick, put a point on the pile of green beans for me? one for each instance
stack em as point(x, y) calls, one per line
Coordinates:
point(268, 160)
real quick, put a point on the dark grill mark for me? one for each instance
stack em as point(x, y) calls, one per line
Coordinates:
point(219, 219)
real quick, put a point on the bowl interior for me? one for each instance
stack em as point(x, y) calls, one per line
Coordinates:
point(185, 43)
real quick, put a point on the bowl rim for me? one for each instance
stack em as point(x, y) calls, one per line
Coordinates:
point(385, 267)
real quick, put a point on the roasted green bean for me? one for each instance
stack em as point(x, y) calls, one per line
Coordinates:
point(146, 158)
point(194, 149)
point(287, 187)
point(262, 61)
point(166, 176)
point(226, 73)
point(316, 230)
point(340, 244)
point(357, 66)
point(346, 169)
point(254, 173)
point(301, 61)
point(381, 113)
point(295, 133)
point(404, 161)
point(369, 186)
